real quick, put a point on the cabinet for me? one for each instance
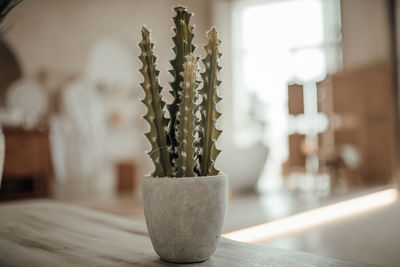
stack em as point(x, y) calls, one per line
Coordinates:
point(27, 165)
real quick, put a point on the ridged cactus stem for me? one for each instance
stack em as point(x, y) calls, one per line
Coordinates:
point(183, 47)
point(188, 126)
point(154, 103)
point(209, 100)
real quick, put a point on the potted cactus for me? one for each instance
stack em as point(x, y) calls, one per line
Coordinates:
point(185, 197)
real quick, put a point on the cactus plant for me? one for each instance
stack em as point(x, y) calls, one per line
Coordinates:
point(183, 145)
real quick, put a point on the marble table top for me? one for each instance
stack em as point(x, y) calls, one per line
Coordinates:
point(50, 233)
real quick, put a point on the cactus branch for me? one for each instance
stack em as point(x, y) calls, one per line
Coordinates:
point(209, 100)
point(183, 47)
point(154, 103)
point(188, 126)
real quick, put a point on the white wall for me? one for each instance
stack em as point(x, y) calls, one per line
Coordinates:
point(57, 34)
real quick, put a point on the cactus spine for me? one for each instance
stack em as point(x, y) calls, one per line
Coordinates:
point(184, 144)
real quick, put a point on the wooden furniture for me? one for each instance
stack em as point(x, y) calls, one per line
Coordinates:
point(27, 166)
point(48, 233)
point(296, 160)
point(10, 69)
point(126, 175)
point(360, 108)
point(363, 102)
point(295, 99)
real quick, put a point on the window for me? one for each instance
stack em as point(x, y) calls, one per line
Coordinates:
point(276, 43)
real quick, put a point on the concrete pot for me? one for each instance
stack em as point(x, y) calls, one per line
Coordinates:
point(184, 216)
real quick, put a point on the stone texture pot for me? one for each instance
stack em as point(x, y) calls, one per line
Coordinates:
point(184, 216)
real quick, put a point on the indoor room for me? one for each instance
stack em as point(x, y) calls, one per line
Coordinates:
point(213, 132)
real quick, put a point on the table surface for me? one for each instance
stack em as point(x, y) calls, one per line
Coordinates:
point(49, 233)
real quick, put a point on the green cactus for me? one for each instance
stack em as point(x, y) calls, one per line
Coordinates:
point(154, 103)
point(188, 126)
point(183, 47)
point(184, 144)
point(209, 113)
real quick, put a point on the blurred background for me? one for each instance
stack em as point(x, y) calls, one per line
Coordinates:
point(310, 111)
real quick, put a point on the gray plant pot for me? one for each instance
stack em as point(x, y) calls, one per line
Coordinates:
point(184, 216)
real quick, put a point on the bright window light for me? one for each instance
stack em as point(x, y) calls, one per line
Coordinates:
point(277, 42)
point(312, 218)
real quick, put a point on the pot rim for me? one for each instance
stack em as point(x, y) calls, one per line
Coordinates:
point(219, 175)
